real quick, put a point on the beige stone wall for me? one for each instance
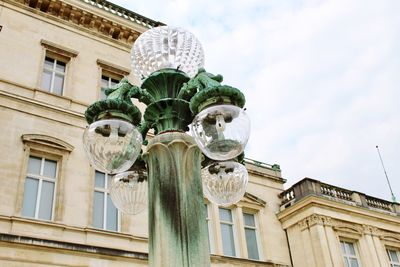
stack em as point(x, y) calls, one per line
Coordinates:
point(316, 225)
point(52, 126)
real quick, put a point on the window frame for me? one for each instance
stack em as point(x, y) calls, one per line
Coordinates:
point(40, 179)
point(354, 243)
point(109, 77)
point(249, 205)
point(59, 53)
point(390, 260)
point(236, 243)
point(54, 72)
point(51, 148)
point(110, 70)
point(256, 228)
point(106, 193)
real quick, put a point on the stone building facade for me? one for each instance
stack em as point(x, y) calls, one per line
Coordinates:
point(55, 55)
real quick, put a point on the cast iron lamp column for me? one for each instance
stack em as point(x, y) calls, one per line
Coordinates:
point(178, 92)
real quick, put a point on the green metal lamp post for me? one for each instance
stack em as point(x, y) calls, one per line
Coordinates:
point(169, 176)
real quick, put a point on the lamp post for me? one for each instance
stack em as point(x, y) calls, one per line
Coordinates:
point(170, 174)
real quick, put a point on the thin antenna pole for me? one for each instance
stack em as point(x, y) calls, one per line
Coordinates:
point(387, 178)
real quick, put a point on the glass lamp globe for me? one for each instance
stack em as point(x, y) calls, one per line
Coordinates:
point(222, 131)
point(128, 191)
point(112, 146)
point(224, 183)
point(166, 47)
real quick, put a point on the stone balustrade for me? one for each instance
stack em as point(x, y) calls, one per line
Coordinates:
point(308, 186)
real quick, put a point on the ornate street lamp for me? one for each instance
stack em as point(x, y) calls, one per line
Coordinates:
point(168, 175)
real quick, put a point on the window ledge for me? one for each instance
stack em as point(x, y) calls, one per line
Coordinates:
point(244, 262)
point(113, 68)
point(58, 49)
point(48, 141)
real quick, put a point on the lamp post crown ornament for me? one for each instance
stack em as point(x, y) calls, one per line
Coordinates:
point(178, 93)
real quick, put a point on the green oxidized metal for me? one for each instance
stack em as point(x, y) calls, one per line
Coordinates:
point(177, 233)
point(178, 236)
point(117, 105)
point(211, 92)
point(165, 83)
point(168, 115)
point(168, 112)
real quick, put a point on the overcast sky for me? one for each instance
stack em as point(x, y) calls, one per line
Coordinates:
point(322, 81)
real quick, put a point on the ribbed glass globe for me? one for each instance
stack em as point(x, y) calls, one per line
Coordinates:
point(224, 183)
point(221, 131)
point(112, 146)
point(128, 191)
point(166, 47)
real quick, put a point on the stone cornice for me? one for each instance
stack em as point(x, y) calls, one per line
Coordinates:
point(54, 244)
point(92, 21)
point(312, 201)
point(47, 141)
point(348, 229)
point(123, 13)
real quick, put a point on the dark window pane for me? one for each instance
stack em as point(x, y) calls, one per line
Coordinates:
point(114, 82)
point(225, 215)
point(249, 220)
point(34, 165)
point(58, 84)
point(46, 200)
point(251, 242)
point(99, 180)
point(60, 66)
point(30, 194)
point(98, 209)
point(112, 215)
point(228, 243)
point(50, 168)
point(48, 63)
point(46, 80)
point(104, 81)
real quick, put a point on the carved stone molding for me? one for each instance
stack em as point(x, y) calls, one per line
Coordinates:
point(348, 228)
point(45, 140)
point(64, 51)
point(92, 22)
point(368, 229)
point(390, 237)
point(315, 219)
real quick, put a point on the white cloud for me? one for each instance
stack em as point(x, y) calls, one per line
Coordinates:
point(321, 80)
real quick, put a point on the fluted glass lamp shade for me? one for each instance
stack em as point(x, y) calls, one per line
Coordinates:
point(221, 131)
point(112, 146)
point(128, 191)
point(166, 47)
point(224, 183)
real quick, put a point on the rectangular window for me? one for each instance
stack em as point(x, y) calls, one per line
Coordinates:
point(394, 257)
point(53, 75)
point(227, 232)
point(349, 254)
point(107, 81)
point(250, 231)
point(39, 187)
point(105, 214)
